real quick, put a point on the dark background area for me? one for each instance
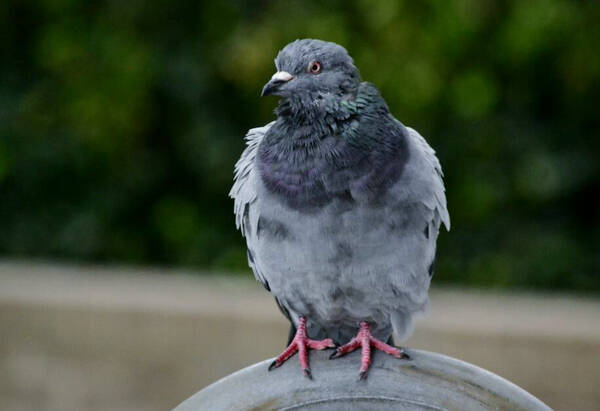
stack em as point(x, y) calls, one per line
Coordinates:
point(120, 123)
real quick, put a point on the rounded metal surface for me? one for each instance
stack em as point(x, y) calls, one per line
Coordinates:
point(427, 381)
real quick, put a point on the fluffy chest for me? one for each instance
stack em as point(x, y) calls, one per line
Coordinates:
point(340, 264)
point(341, 238)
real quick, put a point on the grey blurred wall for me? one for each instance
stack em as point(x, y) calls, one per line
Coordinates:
point(97, 339)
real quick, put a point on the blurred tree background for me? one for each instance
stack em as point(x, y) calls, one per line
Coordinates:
point(120, 123)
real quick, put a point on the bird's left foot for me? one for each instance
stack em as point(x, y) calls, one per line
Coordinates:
point(365, 340)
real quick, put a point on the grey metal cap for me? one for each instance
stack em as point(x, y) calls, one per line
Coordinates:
point(427, 381)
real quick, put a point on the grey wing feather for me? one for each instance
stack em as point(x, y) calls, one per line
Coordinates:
point(437, 201)
point(421, 182)
point(244, 195)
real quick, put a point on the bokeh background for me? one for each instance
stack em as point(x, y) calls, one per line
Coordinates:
point(120, 123)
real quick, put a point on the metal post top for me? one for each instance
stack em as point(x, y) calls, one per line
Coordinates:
point(427, 381)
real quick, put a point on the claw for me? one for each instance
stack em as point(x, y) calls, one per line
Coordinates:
point(363, 375)
point(334, 355)
point(273, 365)
point(307, 373)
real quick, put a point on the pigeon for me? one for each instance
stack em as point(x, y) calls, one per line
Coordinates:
point(340, 205)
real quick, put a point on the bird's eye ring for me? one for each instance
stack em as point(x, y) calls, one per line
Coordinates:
point(314, 67)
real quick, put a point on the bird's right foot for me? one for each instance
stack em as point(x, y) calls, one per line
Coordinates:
point(300, 344)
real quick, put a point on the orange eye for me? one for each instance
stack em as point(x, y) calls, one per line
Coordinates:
point(314, 67)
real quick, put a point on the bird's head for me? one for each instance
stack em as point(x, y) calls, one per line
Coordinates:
point(310, 69)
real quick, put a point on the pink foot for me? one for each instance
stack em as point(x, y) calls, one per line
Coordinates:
point(299, 344)
point(364, 340)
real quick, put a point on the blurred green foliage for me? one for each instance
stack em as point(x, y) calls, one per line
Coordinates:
point(120, 123)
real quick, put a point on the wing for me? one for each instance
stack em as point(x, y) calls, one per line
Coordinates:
point(434, 197)
point(422, 187)
point(244, 194)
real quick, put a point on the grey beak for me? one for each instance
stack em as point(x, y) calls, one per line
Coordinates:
point(279, 78)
